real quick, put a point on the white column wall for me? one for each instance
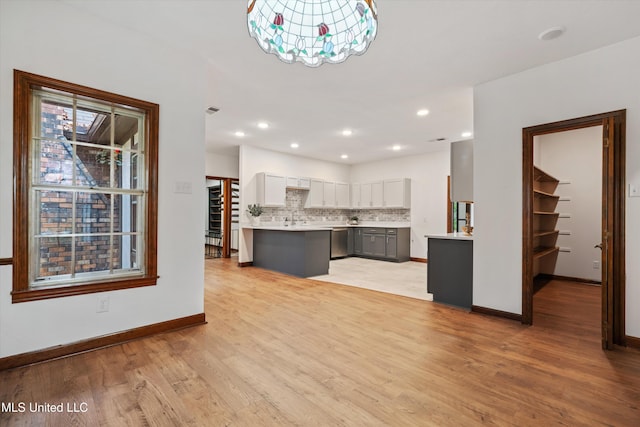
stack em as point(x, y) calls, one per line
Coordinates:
point(222, 165)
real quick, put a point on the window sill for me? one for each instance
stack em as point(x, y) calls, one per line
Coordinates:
point(67, 291)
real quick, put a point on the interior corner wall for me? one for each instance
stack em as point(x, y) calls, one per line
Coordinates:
point(125, 62)
point(222, 165)
point(575, 158)
point(428, 173)
point(595, 82)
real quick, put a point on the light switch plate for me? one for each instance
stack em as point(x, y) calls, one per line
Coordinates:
point(183, 187)
point(634, 190)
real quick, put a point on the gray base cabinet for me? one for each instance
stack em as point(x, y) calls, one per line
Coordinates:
point(450, 271)
point(299, 253)
point(374, 245)
point(357, 241)
point(390, 244)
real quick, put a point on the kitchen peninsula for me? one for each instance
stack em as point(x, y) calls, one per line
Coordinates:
point(301, 251)
point(305, 250)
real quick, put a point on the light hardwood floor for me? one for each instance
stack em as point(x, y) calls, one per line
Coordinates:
point(280, 351)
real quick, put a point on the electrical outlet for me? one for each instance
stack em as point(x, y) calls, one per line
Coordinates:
point(103, 304)
point(596, 265)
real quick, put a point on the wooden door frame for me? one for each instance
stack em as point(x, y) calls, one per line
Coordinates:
point(614, 296)
point(226, 209)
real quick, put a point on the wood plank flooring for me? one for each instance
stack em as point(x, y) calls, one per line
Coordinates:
point(282, 351)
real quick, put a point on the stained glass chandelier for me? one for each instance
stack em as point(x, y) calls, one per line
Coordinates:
point(313, 31)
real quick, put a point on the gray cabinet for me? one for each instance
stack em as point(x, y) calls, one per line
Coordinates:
point(350, 239)
point(462, 171)
point(374, 242)
point(357, 241)
point(450, 272)
point(390, 244)
point(391, 247)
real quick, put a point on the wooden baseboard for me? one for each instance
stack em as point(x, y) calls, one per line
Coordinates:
point(99, 342)
point(245, 264)
point(6, 261)
point(497, 313)
point(424, 260)
point(632, 342)
point(570, 279)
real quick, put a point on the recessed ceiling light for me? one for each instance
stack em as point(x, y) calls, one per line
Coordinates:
point(466, 134)
point(344, 156)
point(212, 110)
point(422, 112)
point(347, 132)
point(239, 134)
point(294, 145)
point(551, 33)
point(263, 125)
point(396, 147)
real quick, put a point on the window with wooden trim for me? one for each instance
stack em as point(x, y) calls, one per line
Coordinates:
point(85, 199)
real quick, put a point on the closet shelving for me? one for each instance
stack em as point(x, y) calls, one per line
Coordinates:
point(545, 219)
point(214, 233)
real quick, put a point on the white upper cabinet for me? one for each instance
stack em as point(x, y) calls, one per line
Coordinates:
point(355, 195)
point(342, 195)
point(397, 193)
point(315, 198)
point(365, 195)
point(327, 194)
point(329, 200)
point(371, 195)
point(388, 193)
point(271, 190)
point(298, 183)
point(377, 194)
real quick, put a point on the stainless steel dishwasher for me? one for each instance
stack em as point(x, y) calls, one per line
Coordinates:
point(339, 237)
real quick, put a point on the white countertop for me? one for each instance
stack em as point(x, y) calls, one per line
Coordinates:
point(324, 226)
point(289, 228)
point(453, 236)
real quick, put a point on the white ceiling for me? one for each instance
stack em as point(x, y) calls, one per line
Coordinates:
point(427, 54)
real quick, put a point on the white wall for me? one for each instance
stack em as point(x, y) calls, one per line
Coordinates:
point(94, 53)
point(575, 158)
point(428, 174)
point(222, 165)
point(254, 160)
point(602, 80)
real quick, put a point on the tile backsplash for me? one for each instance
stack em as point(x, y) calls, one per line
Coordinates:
point(295, 206)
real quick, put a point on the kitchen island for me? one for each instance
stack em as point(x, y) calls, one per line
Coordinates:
point(301, 251)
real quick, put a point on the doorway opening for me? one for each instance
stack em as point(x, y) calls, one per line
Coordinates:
point(222, 222)
point(539, 232)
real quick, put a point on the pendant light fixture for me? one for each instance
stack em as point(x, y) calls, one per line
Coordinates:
point(313, 31)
